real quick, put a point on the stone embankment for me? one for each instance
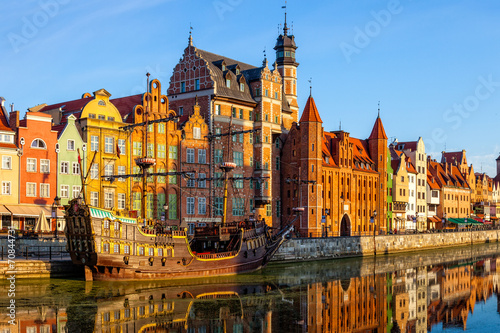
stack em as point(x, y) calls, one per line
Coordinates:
point(299, 249)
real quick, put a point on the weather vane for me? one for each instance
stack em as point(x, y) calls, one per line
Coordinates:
point(310, 86)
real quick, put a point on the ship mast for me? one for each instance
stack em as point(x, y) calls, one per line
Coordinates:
point(227, 167)
point(145, 162)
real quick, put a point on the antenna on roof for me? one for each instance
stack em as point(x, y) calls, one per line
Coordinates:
point(310, 86)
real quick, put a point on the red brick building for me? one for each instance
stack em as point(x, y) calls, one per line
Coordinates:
point(236, 95)
point(341, 181)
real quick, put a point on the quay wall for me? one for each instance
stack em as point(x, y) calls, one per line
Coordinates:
point(299, 249)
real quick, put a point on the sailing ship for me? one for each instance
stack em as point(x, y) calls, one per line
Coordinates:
point(112, 247)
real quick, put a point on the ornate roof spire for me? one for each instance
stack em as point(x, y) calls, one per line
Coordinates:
point(285, 28)
point(378, 116)
point(310, 87)
point(190, 37)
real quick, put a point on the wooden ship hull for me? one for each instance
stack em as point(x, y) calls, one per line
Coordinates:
point(117, 248)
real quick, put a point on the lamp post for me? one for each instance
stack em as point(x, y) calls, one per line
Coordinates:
point(374, 229)
point(55, 205)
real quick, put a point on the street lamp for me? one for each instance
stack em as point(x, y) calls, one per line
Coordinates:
point(57, 203)
point(374, 229)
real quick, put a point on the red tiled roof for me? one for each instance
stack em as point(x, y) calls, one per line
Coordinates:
point(126, 104)
point(378, 131)
point(74, 105)
point(452, 157)
point(310, 112)
point(409, 166)
point(412, 145)
point(4, 123)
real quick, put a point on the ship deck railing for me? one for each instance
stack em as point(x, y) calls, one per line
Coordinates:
point(220, 255)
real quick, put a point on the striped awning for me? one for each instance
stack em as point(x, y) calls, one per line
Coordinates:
point(101, 214)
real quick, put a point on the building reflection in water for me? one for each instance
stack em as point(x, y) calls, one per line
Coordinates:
point(408, 300)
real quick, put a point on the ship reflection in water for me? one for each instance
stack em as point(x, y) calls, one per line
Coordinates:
point(438, 291)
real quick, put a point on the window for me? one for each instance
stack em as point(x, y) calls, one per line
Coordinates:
point(250, 115)
point(172, 206)
point(136, 202)
point(94, 143)
point(121, 200)
point(109, 169)
point(76, 168)
point(218, 177)
point(92, 115)
point(191, 182)
point(197, 84)
point(116, 249)
point(217, 110)
point(181, 110)
point(276, 95)
point(250, 138)
point(190, 155)
point(202, 206)
point(161, 128)
point(160, 202)
point(241, 113)
point(172, 152)
point(190, 206)
point(121, 171)
point(242, 86)
point(6, 162)
point(137, 148)
point(218, 131)
point(218, 205)
point(201, 181)
point(233, 112)
point(38, 143)
point(94, 199)
point(94, 171)
point(266, 93)
point(202, 156)
point(238, 158)
point(218, 156)
point(64, 191)
point(108, 200)
point(241, 137)
point(228, 83)
point(196, 132)
point(238, 206)
point(278, 208)
point(31, 189)
point(151, 150)
point(121, 146)
point(45, 166)
point(65, 167)
point(44, 190)
point(183, 86)
point(71, 145)
point(6, 188)
point(269, 210)
point(277, 163)
point(237, 183)
point(76, 191)
point(172, 179)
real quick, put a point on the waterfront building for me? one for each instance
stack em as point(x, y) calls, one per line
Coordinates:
point(390, 172)
point(411, 209)
point(455, 191)
point(37, 169)
point(433, 191)
point(9, 170)
point(100, 123)
point(234, 94)
point(339, 180)
point(400, 188)
point(415, 150)
point(70, 147)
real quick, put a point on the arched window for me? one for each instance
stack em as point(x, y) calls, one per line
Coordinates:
point(38, 143)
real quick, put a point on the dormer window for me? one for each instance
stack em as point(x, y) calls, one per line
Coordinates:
point(237, 70)
point(223, 66)
point(242, 86)
point(101, 103)
point(228, 83)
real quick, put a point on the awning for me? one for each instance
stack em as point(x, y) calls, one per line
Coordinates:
point(101, 214)
point(461, 221)
point(26, 210)
point(4, 210)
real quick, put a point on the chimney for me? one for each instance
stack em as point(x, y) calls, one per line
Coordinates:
point(14, 119)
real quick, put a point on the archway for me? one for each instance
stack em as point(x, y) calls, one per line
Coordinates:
point(345, 226)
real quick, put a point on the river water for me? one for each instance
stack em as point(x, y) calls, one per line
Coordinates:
point(447, 290)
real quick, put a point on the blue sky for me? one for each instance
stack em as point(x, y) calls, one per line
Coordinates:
point(433, 65)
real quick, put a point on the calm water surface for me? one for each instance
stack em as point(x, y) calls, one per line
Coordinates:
point(447, 290)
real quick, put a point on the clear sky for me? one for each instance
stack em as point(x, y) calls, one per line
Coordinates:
point(433, 65)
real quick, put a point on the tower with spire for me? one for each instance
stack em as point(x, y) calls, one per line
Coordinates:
point(377, 145)
point(287, 66)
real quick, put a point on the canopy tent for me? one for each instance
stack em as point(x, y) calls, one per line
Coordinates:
point(42, 224)
point(463, 222)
